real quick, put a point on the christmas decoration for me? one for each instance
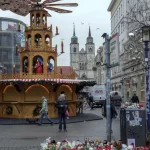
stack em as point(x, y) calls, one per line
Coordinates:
point(57, 31)
point(16, 49)
point(9, 110)
point(19, 26)
point(14, 69)
point(36, 111)
point(62, 47)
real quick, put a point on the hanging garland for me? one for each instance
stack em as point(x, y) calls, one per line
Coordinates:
point(81, 85)
point(9, 110)
point(36, 111)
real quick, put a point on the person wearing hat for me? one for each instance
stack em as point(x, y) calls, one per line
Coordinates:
point(44, 111)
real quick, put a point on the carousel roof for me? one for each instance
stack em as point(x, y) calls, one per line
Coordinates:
point(23, 7)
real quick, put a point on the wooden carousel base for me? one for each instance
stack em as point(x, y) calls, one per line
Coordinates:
point(24, 100)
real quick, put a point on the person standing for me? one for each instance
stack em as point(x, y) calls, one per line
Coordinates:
point(44, 111)
point(135, 99)
point(116, 99)
point(113, 113)
point(91, 100)
point(62, 106)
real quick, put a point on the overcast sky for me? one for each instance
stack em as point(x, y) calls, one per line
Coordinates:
point(90, 12)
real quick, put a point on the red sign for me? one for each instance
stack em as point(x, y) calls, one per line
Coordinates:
point(99, 92)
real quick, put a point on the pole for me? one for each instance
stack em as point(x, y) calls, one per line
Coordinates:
point(107, 62)
point(147, 86)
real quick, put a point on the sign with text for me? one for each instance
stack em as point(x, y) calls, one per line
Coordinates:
point(114, 49)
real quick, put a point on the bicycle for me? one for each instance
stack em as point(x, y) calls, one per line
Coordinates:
point(86, 104)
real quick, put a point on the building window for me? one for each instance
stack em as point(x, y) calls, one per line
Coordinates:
point(80, 66)
point(74, 50)
point(90, 49)
point(121, 9)
point(119, 29)
point(85, 66)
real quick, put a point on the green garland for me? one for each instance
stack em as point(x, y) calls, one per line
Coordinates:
point(83, 84)
point(9, 110)
point(36, 111)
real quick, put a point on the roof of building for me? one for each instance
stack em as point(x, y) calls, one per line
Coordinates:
point(89, 34)
point(111, 5)
point(65, 70)
point(82, 51)
point(12, 20)
point(74, 34)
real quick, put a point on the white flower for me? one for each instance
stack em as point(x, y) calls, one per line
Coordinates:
point(44, 145)
point(130, 147)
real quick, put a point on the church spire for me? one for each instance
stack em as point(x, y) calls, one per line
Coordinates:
point(74, 38)
point(74, 32)
point(89, 31)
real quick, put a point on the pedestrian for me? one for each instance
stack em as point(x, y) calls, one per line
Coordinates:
point(91, 101)
point(116, 99)
point(135, 99)
point(62, 106)
point(44, 111)
point(113, 113)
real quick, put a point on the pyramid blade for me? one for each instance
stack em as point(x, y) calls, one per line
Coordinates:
point(58, 10)
point(64, 5)
point(50, 1)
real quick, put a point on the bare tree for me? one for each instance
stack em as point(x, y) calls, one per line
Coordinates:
point(138, 15)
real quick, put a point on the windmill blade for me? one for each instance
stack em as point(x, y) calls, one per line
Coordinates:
point(49, 15)
point(64, 5)
point(19, 12)
point(58, 10)
point(50, 1)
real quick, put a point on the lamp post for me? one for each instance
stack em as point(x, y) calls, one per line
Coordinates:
point(107, 63)
point(146, 40)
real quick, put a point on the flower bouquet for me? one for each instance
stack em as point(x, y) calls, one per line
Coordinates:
point(132, 105)
point(88, 145)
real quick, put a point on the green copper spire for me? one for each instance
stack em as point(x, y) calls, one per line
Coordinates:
point(89, 31)
point(74, 32)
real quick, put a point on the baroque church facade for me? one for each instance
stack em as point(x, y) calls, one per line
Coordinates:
point(82, 60)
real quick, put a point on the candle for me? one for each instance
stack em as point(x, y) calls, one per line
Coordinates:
point(16, 50)
point(19, 26)
point(26, 43)
point(45, 24)
point(57, 30)
point(62, 47)
point(47, 68)
point(56, 48)
point(14, 69)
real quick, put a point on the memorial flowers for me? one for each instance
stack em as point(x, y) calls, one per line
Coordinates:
point(50, 144)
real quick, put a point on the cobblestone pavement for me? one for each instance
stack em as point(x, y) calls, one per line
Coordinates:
point(29, 137)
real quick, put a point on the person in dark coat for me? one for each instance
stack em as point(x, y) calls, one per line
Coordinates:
point(113, 113)
point(135, 99)
point(62, 106)
point(91, 100)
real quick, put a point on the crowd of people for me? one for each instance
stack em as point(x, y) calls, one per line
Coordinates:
point(115, 105)
point(63, 111)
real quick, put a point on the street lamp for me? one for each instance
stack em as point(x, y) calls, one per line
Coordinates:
point(146, 40)
point(108, 104)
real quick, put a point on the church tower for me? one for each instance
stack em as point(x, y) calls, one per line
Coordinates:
point(74, 52)
point(90, 50)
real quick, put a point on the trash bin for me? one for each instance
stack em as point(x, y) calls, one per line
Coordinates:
point(133, 126)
